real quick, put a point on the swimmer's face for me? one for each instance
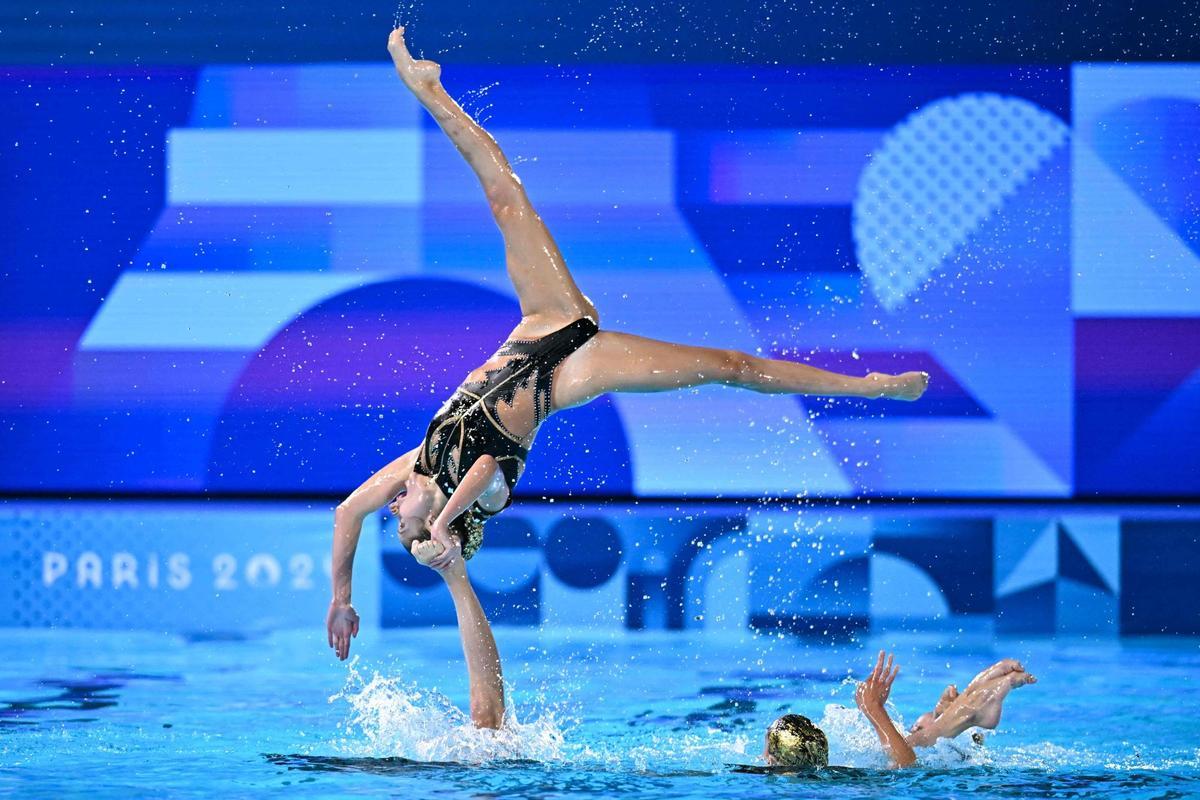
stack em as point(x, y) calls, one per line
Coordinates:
point(414, 507)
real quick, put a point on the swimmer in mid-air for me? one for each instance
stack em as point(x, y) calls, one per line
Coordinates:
point(792, 741)
point(557, 357)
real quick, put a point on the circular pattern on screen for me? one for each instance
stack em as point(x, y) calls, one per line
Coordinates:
point(937, 176)
point(583, 552)
point(351, 383)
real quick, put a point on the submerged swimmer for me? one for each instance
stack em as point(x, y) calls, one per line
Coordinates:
point(557, 357)
point(793, 741)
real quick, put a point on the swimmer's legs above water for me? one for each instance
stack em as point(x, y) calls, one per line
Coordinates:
point(545, 287)
point(979, 705)
point(620, 362)
point(550, 298)
point(793, 741)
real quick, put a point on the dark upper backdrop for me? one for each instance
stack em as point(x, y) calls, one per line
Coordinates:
point(224, 274)
point(602, 31)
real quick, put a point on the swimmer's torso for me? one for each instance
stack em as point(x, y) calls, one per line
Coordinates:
point(496, 412)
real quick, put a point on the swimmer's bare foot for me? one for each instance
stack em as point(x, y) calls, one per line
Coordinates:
point(990, 700)
point(979, 705)
point(415, 73)
point(905, 386)
point(929, 719)
point(1001, 668)
point(949, 695)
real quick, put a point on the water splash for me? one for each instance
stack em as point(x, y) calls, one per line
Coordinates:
point(853, 743)
point(852, 740)
point(390, 717)
point(405, 14)
point(475, 102)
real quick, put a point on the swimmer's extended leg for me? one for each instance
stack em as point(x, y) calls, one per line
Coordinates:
point(949, 695)
point(535, 266)
point(979, 705)
point(619, 362)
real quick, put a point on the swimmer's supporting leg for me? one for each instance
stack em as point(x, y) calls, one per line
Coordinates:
point(619, 362)
point(535, 266)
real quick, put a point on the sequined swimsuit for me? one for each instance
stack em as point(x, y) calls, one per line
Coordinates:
point(495, 415)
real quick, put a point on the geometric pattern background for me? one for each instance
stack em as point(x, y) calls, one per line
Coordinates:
point(290, 302)
point(805, 572)
point(268, 289)
point(1136, 277)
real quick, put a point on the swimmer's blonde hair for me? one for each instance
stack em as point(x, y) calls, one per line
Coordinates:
point(468, 527)
point(794, 741)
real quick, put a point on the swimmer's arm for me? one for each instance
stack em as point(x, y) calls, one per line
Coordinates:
point(469, 489)
point(341, 623)
point(898, 751)
point(871, 697)
point(479, 646)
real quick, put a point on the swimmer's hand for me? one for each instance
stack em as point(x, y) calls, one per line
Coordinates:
point(872, 694)
point(425, 552)
point(412, 71)
point(341, 623)
point(451, 546)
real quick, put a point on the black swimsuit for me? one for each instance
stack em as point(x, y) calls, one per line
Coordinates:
point(493, 417)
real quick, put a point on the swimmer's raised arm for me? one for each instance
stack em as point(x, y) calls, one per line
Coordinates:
point(479, 646)
point(871, 697)
point(341, 622)
point(469, 489)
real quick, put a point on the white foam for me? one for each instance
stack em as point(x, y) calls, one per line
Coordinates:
point(854, 743)
point(393, 718)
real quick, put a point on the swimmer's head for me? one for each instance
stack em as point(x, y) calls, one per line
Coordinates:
point(417, 506)
point(414, 508)
point(794, 741)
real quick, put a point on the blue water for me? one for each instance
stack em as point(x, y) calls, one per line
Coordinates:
point(596, 714)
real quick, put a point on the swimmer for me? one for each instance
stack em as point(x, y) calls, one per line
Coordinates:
point(557, 357)
point(793, 741)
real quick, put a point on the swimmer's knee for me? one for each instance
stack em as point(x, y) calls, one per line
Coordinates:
point(506, 196)
point(734, 367)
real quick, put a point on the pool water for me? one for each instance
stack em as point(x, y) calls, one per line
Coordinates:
point(597, 714)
